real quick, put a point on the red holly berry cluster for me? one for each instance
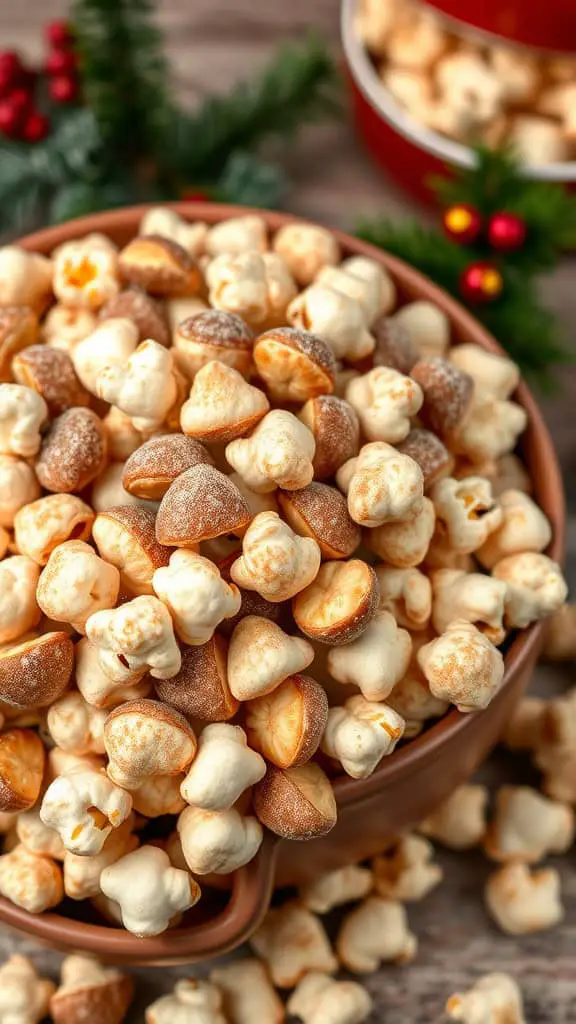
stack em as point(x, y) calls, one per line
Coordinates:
point(504, 231)
point(20, 117)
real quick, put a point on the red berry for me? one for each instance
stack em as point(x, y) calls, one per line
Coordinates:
point(21, 100)
point(61, 62)
point(6, 82)
point(35, 128)
point(63, 89)
point(10, 64)
point(10, 118)
point(59, 34)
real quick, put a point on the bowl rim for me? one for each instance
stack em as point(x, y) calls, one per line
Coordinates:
point(382, 101)
point(252, 884)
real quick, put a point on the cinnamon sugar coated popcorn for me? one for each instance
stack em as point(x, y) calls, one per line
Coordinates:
point(260, 525)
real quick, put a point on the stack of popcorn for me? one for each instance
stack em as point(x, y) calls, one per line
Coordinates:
point(468, 87)
point(258, 526)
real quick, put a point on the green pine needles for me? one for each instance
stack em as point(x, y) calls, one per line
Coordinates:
point(131, 142)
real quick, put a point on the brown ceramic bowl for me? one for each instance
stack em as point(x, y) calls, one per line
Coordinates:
point(371, 812)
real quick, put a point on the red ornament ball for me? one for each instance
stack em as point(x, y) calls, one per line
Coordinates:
point(10, 117)
point(35, 127)
point(462, 223)
point(481, 282)
point(506, 231)
point(10, 65)
point(58, 34)
point(21, 100)
point(61, 62)
point(63, 89)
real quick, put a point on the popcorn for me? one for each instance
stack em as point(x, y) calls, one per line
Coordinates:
point(462, 666)
point(466, 512)
point(281, 288)
point(22, 413)
point(159, 795)
point(223, 768)
point(297, 802)
point(465, 81)
point(363, 280)
point(25, 278)
point(560, 634)
point(306, 249)
point(218, 841)
point(64, 326)
point(538, 140)
point(407, 594)
point(521, 902)
point(494, 376)
point(37, 837)
point(360, 734)
point(144, 738)
point(428, 328)
point(261, 656)
point(144, 387)
point(82, 874)
point(86, 272)
point(319, 998)
point(376, 661)
point(491, 429)
point(338, 606)
point(470, 597)
point(30, 882)
point(384, 400)
point(535, 587)
point(494, 997)
point(197, 597)
point(22, 759)
point(24, 995)
point(336, 318)
point(161, 220)
point(524, 527)
point(222, 405)
point(19, 609)
point(527, 826)
point(153, 466)
point(275, 561)
point(75, 583)
point(286, 725)
point(83, 807)
point(321, 512)
point(460, 821)
point(237, 284)
point(168, 890)
point(159, 265)
point(121, 435)
point(96, 686)
point(87, 990)
point(407, 871)
point(18, 487)
point(76, 726)
point(293, 943)
point(343, 885)
point(278, 453)
point(39, 527)
point(191, 1000)
point(237, 235)
point(375, 932)
point(405, 543)
point(134, 639)
point(201, 689)
point(247, 992)
point(382, 485)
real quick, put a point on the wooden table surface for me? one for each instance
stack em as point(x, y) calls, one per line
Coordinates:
point(212, 44)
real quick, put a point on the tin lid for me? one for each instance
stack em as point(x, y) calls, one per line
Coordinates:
point(546, 26)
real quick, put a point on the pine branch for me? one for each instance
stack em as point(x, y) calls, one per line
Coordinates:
point(124, 74)
point(429, 251)
point(299, 86)
point(249, 182)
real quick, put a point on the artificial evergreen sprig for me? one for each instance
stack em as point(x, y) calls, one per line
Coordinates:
point(517, 318)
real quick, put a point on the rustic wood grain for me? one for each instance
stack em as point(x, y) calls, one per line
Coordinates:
point(212, 43)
